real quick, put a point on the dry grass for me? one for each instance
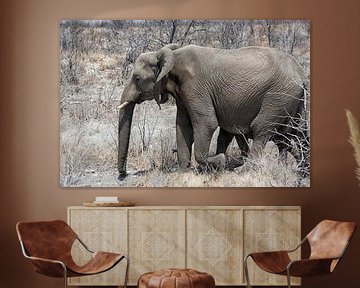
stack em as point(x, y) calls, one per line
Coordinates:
point(89, 150)
point(86, 149)
point(268, 171)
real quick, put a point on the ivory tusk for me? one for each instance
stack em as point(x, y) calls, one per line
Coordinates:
point(123, 105)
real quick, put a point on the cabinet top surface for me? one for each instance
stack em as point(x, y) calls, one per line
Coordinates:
point(192, 207)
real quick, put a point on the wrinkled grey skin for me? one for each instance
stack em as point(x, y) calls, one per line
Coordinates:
point(247, 92)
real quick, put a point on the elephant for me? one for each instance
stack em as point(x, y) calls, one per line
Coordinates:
point(250, 93)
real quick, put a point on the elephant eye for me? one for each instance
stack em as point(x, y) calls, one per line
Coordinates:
point(136, 78)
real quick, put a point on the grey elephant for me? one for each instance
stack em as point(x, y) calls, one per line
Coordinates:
point(250, 92)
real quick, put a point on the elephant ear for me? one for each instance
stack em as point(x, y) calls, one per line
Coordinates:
point(166, 62)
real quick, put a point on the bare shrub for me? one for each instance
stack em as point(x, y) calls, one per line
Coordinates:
point(298, 140)
point(168, 159)
point(72, 158)
point(86, 149)
point(146, 128)
point(267, 170)
point(151, 145)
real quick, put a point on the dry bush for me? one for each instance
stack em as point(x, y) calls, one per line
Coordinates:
point(153, 138)
point(86, 149)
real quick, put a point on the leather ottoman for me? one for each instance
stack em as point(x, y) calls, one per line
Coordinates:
point(176, 278)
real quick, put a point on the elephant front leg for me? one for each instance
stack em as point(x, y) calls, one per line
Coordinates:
point(203, 133)
point(184, 137)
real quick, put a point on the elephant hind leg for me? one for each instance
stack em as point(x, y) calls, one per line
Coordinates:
point(223, 141)
point(283, 143)
point(243, 142)
point(261, 133)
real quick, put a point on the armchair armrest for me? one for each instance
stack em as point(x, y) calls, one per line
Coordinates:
point(298, 246)
point(309, 267)
point(49, 267)
point(279, 252)
point(83, 244)
point(271, 261)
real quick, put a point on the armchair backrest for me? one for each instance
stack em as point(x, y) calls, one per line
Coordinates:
point(46, 239)
point(329, 239)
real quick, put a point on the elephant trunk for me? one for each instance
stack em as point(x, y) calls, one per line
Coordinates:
point(125, 119)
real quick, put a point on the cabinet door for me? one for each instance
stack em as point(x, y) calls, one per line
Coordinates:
point(270, 230)
point(156, 240)
point(101, 230)
point(214, 244)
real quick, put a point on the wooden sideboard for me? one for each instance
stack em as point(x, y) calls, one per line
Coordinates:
point(211, 239)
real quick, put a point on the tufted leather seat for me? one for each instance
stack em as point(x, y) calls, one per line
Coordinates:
point(176, 278)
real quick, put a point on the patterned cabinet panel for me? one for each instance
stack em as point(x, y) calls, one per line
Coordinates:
point(209, 239)
point(267, 230)
point(214, 244)
point(156, 240)
point(101, 230)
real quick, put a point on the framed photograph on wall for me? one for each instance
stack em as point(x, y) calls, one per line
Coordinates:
point(185, 103)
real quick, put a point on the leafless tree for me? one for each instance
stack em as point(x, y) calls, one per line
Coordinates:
point(290, 36)
point(70, 43)
point(232, 33)
point(269, 28)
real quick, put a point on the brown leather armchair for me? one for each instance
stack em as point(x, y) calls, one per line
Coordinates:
point(328, 242)
point(48, 245)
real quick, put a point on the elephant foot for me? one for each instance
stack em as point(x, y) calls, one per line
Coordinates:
point(218, 161)
point(212, 164)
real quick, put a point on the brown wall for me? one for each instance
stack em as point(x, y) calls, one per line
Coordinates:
point(29, 111)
